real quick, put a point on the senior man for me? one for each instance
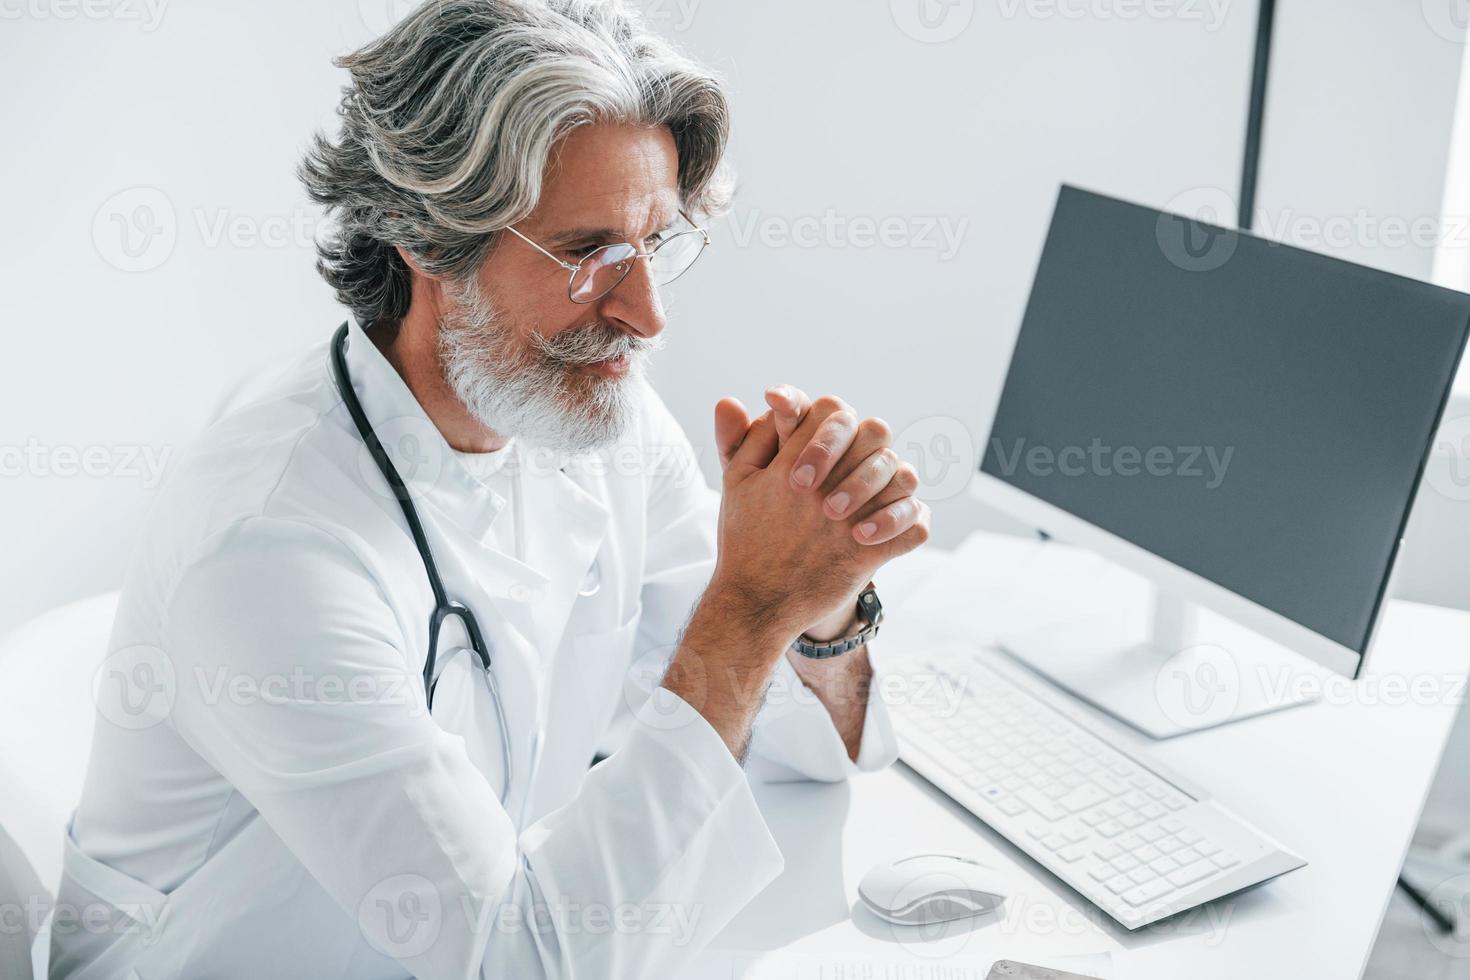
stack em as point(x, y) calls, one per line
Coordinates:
point(381, 620)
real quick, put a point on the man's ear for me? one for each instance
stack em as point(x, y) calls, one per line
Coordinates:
point(410, 261)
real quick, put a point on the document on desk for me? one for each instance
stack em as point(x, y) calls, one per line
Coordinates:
point(852, 966)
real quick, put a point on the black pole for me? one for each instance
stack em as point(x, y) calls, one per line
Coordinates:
point(1265, 19)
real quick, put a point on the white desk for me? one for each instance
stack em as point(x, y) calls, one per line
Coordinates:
point(1341, 782)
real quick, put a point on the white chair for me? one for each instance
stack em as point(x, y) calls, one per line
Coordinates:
point(46, 719)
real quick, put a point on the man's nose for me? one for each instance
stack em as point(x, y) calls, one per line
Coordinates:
point(634, 303)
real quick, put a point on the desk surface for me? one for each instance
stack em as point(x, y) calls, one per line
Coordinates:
point(1340, 781)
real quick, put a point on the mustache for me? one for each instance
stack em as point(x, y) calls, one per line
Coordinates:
point(592, 343)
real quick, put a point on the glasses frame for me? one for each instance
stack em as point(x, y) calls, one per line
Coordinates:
point(574, 268)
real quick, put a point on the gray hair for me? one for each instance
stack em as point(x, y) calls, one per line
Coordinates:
point(450, 120)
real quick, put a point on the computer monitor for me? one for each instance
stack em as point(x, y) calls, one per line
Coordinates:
point(1240, 424)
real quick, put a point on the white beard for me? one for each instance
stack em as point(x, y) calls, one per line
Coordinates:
point(529, 390)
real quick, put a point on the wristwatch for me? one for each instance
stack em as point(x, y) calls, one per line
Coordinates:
point(869, 613)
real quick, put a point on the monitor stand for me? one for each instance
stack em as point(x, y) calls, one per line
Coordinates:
point(1160, 663)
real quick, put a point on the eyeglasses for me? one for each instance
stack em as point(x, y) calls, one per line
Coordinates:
point(603, 268)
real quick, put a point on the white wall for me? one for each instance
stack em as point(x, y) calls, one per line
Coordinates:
point(839, 108)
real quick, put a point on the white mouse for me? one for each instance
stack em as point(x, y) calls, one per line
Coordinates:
point(931, 888)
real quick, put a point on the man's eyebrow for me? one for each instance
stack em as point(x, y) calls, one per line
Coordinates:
point(574, 235)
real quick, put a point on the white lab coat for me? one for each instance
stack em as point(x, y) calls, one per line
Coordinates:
point(267, 796)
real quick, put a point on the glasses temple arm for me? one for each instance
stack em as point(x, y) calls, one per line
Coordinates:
point(565, 265)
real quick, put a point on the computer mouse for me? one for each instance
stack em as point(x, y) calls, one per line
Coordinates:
point(931, 888)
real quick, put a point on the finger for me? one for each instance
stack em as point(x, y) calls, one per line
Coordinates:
point(827, 445)
point(756, 451)
point(731, 423)
point(889, 522)
point(915, 536)
point(901, 486)
point(873, 435)
point(862, 484)
point(815, 416)
point(790, 405)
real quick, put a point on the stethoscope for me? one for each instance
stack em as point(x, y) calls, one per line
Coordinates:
point(444, 607)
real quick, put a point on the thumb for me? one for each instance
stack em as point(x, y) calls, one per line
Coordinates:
point(732, 421)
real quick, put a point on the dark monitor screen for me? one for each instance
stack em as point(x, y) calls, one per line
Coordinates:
point(1255, 413)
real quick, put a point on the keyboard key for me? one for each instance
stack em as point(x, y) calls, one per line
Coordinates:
point(1132, 821)
point(1125, 863)
point(1151, 811)
point(1095, 817)
point(1150, 833)
point(1106, 852)
point(1187, 855)
point(1190, 836)
point(1075, 834)
point(1148, 853)
point(1041, 803)
point(1120, 884)
point(1081, 798)
point(1053, 842)
point(1104, 872)
point(1225, 860)
point(1197, 871)
point(1110, 828)
point(1072, 853)
point(1142, 873)
point(1012, 807)
point(1164, 865)
point(1169, 845)
point(1207, 848)
point(1147, 893)
point(1170, 825)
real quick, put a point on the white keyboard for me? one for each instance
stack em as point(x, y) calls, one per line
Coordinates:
point(1133, 841)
